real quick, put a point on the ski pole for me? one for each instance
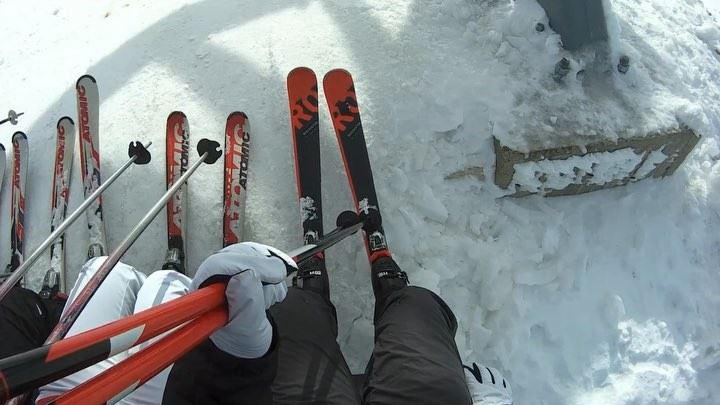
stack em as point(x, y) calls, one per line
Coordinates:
point(209, 152)
point(347, 223)
point(138, 154)
point(115, 383)
point(12, 117)
point(37, 367)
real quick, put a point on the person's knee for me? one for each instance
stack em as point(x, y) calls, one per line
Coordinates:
point(122, 278)
point(168, 277)
point(303, 308)
point(120, 271)
point(415, 296)
point(162, 286)
point(418, 299)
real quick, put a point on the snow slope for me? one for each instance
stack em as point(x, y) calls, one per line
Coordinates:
point(602, 298)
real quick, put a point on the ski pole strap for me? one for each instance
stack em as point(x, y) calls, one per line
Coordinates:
point(35, 368)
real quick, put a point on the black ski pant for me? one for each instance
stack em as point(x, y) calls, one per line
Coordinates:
point(414, 361)
point(26, 320)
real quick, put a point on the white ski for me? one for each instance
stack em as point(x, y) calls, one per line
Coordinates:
point(17, 213)
point(2, 164)
point(88, 104)
point(55, 276)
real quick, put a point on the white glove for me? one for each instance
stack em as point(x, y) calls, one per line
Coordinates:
point(487, 386)
point(248, 333)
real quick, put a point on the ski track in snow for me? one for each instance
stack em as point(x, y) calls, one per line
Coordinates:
point(609, 297)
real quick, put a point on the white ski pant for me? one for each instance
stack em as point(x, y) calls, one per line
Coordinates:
point(124, 292)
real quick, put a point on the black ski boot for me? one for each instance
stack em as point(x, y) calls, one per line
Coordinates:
point(386, 277)
point(313, 276)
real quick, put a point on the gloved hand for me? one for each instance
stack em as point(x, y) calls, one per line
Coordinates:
point(487, 386)
point(247, 265)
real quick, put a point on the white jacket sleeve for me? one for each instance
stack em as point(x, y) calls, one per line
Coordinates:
point(487, 386)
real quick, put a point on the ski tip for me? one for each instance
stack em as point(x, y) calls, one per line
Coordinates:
point(19, 135)
point(177, 120)
point(337, 83)
point(83, 78)
point(339, 72)
point(237, 114)
point(2, 147)
point(62, 121)
point(212, 148)
point(176, 113)
point(302, 71)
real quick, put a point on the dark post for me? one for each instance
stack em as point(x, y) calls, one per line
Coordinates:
point(579, 22)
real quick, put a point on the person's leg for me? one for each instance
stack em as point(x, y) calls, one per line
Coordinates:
point(161, 286)
point(415, 359)
point(114, 299)
point(311, 367)
point(26, 320)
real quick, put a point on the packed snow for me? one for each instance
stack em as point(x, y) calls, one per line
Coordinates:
point(603, 167)
point(609, 297)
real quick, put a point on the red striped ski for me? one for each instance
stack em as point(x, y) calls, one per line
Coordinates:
point(237, 153)
point(64, 146)
point(17, 213)
point(88, 105)
point(177, 146)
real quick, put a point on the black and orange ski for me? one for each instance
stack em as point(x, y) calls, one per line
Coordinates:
point(303, 102)
point(342, 102)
